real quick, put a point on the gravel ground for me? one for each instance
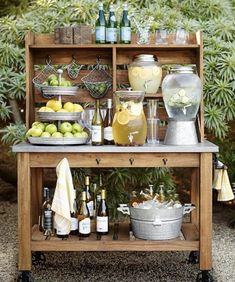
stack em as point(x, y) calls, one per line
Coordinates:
point(118, 266)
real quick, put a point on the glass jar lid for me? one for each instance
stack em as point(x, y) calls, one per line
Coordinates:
point(182, 69)
point(145, 58)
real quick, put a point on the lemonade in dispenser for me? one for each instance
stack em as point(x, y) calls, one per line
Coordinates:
point(129, 122)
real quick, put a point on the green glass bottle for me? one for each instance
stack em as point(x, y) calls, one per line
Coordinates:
point(97, 126)
point(111, 27)
point(100, 26)
point(125, 26)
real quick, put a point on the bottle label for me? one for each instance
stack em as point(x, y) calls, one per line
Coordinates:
point(102, 224)
point(47, 220)
point(74, 224)
point(96, 135)
point(61, 231)
point(85, 226)
point(108, 133)
point(111, 34)
point(100, 33)
point(90, 206)
point(125, 33)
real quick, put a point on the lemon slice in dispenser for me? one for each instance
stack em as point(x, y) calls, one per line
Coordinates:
point(155, 71)
point(136, 109)
point(135, 71)
point(123, 117)
point(182, 92)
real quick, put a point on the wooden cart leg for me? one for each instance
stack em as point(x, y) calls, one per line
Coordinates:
point(24, 214)
point(195, 196)
point(36, 193)
point(205, 260)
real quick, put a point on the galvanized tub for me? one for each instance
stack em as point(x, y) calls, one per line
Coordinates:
point(156, 224)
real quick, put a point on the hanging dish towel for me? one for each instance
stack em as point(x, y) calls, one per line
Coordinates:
point(221, 184)
point(63, 199)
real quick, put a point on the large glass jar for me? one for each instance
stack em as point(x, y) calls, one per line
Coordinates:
point(129, 122)
point(182, 90)
point(145, 73)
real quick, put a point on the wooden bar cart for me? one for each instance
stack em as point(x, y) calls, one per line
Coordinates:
point(32, 159)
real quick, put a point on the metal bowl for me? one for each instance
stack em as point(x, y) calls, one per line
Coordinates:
point(51, 91)
point(51, 116)
point(60, 141)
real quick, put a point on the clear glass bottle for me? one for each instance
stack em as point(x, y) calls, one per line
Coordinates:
point(89, 197)
point(47, 214)
point(111, 27)
point(100, 26)
point(102, 219)
point(84, 221)
point(74, 217)
point(125, 26)
point(97, 126)
point(108, 131)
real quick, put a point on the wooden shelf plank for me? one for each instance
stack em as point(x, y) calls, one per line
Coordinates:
point(125, 242)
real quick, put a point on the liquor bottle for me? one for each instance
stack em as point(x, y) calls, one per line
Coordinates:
point(74, 217)
point(111, 27)
point(89, 197)
point(84, 221)
point(95, 188)
point(102, 219)
point(108, 131)
point(125, 25)
point(97, 126)
point(161, 197)
point(100, 26)
point(47, 214)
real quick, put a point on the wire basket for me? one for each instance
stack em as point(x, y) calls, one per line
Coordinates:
point(97, 82)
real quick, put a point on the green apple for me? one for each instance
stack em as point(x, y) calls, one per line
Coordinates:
point(39, 125)
point(66, 127)
point(84, 134)
point(57, 134)
point(51, 128)
point(63, 83)
point(78, 135)
point(77, 127)
point(68, 83)
point(52, 77)
point(34, 131)
point(45, 134)
point(68, 135)
point(54, 82)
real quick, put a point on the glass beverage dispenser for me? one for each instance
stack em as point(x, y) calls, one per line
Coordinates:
point(129, 122)
point(181, 90)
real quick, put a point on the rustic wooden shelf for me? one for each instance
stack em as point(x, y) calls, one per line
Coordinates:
point(189, 241)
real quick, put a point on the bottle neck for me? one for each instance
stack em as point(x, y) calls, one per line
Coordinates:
point(103, 194)
point(84, 196)
point(46, 194)
point(97, 105)
point(87, 181)
point(109, 104)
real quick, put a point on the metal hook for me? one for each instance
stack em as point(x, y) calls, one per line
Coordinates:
point(98, 161)
point(165, 161)
point(131, 160)
point(48, 59)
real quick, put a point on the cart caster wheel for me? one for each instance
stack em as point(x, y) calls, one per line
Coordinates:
point(38, 258)
point(25, 276)
point(193, 257)
point(204, 276)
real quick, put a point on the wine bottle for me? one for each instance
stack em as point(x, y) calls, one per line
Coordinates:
point(100, 26)
point(89, 197)
point(84, 221)
point(108, 131)
point(125, 26)
point(111, 27)
point(74, 217)
point(102, 219)
point(97, 127)
point(47, 214)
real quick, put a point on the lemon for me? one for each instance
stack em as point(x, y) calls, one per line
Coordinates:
point(185, 100)
point(123, 117)
point(135, 71)
point(68, 106)
point(145, 73)
point(77, 108)
point(155, 71)
point(54, 104)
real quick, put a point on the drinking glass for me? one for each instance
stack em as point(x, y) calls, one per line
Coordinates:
point(153, 130)
point(143, 36)
point(161, 36)
point(181, 36)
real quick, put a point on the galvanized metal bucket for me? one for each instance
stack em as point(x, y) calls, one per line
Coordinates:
point(156, 224)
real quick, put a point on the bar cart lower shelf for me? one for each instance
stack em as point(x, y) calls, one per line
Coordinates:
point(196, 235)
point(188, 241)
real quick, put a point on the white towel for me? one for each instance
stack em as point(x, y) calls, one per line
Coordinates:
point(63, 199)
point(222, 185)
